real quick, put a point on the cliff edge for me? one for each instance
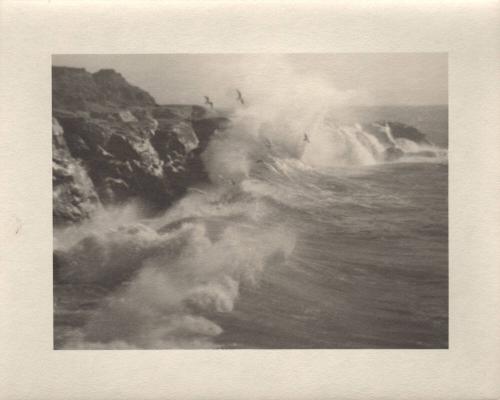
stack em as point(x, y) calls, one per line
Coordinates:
point(111, 142)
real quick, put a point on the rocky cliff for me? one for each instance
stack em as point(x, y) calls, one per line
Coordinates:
point(112, 143)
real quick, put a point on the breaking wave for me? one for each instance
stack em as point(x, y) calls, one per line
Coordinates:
point(159, 286)
point(127, 282)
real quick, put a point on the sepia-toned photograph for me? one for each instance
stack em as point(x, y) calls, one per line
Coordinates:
point(250, 201)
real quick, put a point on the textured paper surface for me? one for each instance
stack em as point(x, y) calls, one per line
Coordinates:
point(32, 31)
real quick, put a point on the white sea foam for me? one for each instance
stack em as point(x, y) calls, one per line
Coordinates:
point(167, 278)
point(292, 116)
point(164, 286)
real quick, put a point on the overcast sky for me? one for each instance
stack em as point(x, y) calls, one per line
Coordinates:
point(370, 79)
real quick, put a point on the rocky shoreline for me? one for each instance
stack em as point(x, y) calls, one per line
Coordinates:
point(111, 143)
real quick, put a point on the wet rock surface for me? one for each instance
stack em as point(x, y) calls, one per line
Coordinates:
point(113, 143)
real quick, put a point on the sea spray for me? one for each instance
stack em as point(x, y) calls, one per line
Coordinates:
point(275, 202)
point(163, 282)
point(298, 121)
point(162, 286)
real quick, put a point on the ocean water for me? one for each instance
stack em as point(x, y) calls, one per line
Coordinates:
point(292, 245)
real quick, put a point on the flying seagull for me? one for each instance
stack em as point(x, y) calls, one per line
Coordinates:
point(240, 98)
point(207, 101)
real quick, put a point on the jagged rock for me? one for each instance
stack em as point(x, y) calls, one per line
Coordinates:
point(113, 143)
point(206, 127)
point(179, 111)
point(122, 142)
point(74, 196)
point(163, 112)
point(127, 116)
point(72, 88)
point(400, 130)
point(186, 135)
point(121, 148)
point(83, 135)
point(77, 89)
point(117, 189)
point(117, 90)
point(173, 135)
point(383, 130)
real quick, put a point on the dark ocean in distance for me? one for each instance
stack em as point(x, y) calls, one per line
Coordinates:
point(294, 245)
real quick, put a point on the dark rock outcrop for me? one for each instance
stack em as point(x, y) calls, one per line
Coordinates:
point(113, 143)
point(397, 130)
point(74, 196)
point(78, 90)
point(403, 131)
point(388, 133)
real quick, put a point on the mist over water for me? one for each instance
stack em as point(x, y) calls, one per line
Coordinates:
point(294, 243)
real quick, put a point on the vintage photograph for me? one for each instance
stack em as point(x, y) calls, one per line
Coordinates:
point(250, 201)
